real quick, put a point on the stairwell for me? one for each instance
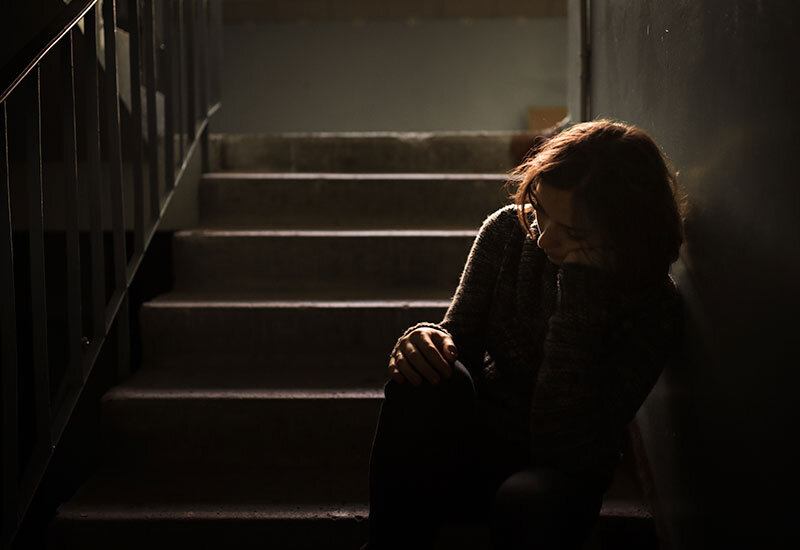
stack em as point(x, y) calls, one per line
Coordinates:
point(250, 422)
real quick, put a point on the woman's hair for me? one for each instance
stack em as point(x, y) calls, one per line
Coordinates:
point(622, 185)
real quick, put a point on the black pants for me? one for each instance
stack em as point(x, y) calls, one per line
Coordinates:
point(432, 464)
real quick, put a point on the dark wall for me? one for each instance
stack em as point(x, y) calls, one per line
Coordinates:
point(715, 83)
point(21, 20)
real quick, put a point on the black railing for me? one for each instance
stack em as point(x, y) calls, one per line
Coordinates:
point(99, 116)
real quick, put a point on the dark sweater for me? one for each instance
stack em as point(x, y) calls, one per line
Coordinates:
point(562, 356)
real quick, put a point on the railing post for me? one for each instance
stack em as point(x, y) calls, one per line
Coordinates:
point(169, 95)
point(114, 144)
point(73, 250)
point(136, 116)
point(93, 170)
point(8, 346)
point(191, 83)
point(179, 75)
point(152, 108)
point(215, 34)
point(201, 21)
point(33, 168)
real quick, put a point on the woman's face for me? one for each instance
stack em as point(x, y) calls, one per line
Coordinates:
point(560, 229)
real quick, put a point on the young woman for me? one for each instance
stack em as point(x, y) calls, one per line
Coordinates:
point(511, 410)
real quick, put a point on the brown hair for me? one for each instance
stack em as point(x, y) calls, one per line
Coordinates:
point(622, 185)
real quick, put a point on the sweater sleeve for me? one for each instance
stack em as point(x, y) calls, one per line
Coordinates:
point(603, 352)
point(466, 317)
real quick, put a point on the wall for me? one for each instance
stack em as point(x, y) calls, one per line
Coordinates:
point(22, 20)
point(402, 74)
point(714, 82)
point(573, 60)
point(282, 10)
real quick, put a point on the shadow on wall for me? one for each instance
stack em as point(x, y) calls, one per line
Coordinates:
point(713, 82)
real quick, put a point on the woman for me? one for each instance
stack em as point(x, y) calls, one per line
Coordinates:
point(511, 411)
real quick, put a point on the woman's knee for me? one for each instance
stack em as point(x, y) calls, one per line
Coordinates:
point(543, 505)
point(458, 386)
point(531, 488)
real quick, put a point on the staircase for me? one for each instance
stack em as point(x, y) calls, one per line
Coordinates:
point(250, 422)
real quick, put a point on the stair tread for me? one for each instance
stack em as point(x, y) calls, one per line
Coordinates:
point(448, 152)
point(349, 201)
point(372, 135)
point(216, 376)
point(209, 233)
point(398, 176)
point(217, 495)
point(148, 384)
point(313, 259)
point(143, 492)
point(341, 298)
point(441, 152)
point(280, 339)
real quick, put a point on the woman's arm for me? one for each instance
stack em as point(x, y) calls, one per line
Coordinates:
point(603, 352)
point(465, 320)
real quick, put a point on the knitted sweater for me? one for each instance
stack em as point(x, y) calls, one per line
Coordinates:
point(562, 356)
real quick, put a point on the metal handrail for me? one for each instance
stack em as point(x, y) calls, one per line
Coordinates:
point(172, 44)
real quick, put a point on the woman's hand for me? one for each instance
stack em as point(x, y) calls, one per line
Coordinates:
point(423, 352)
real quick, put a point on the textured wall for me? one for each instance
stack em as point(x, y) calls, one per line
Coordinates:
point(402, 75)
point(282, 10)
point(573, 60)
point(715, 83)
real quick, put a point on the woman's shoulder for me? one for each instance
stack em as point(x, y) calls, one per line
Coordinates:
point(503, 222)
point(498, 230)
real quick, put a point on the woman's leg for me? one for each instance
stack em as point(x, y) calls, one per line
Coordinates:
point(422, 454)
point(545, 509)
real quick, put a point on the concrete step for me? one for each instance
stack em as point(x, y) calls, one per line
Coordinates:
point(244, 430)
point(354, 201)
point(306, 260)
point(205, 342)
point(157, 431)
point(435, 152)
point(214, 510)
point(273, 510)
